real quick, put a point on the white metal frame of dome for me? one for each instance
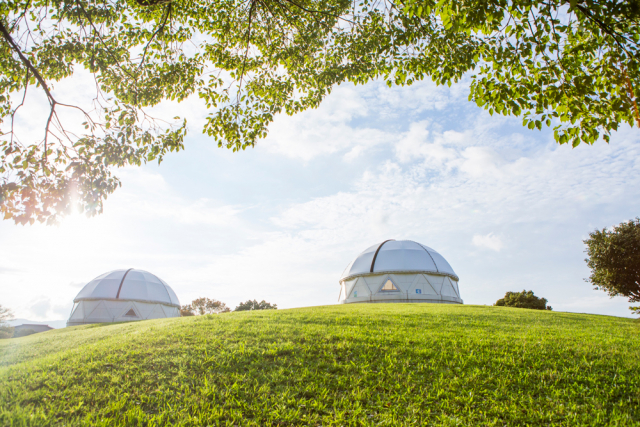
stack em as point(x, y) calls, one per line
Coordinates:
point(123, 296)
point(418, 273)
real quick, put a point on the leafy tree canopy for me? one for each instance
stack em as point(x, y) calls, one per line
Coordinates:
point(255, 305)
point(187, 310)
point(524, 299)
point(614, 259)
point(5, 315)
point(6, 331)
point(569, 64)
point(202, 306)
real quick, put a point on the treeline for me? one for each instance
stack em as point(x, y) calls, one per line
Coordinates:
point(203, 305)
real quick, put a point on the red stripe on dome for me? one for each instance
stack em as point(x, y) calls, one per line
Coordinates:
point(373, 262)
point(122, 281)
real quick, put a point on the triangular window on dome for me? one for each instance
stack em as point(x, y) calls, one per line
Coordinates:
point(130, 313)
point(389, 286)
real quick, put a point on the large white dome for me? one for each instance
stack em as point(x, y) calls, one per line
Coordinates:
point(124, 295)
point(399, 271)
point(131, 284)
point(398, 256)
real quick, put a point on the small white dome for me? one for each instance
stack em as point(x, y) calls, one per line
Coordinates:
point(130, 285)
point(123, 296)
point(395, 256)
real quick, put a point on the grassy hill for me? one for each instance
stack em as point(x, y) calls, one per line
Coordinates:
point(378, 364)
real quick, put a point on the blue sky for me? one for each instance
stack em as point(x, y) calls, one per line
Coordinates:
point(506, 206)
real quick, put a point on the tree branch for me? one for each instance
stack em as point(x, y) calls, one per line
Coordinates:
point(246, 53)
point(604, 27)
point(26, 62)
point(160, 28)
point(24, 96)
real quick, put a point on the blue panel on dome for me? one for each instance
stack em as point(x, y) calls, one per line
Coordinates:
point(172, 295)
point(103, 286)
point(362, 263)
point(150, 277)
point(134, 289)
point(346, 271)
point(102, 276)
point(135, 275)
point(106, 288)
point(115, 274)
point(159, 292)
point(443, 265)
point(87, 289)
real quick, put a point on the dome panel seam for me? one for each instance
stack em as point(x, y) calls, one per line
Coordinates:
point(434, 261)
point(373, 261)
point(121, 282)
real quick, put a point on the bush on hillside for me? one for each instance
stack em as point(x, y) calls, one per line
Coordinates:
point(23, 333)
point(6, 332)
point(614, 260)
point(255, 305)
point(524, 299)
point(5, 314)
point(187, 310)
point(202, 306)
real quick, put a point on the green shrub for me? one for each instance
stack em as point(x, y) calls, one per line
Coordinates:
point(6, 332)
point(23, 333)
point(524, 299)
point(202, 306)
point(255, 305)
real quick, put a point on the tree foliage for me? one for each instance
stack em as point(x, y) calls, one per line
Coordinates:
point(187, 310)
point(613, 255)
point(572, 65)
point(6, 331)
point(202, 306)
point(5, 315)
point(524, 299)
point(255, 305)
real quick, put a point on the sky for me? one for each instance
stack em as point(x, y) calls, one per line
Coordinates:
point(506, 206)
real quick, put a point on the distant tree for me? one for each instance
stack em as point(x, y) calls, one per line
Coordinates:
point(5, 314)
point(255, 305)
point(202, 306)
point(6, 331)
point(187, 310)
point(524, 299)
point(23, 333)
point(614, 260)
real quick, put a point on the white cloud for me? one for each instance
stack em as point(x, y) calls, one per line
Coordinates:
point(324, 131)
point(480, 161)
point(489, 241)
point(330, 128)
point(41, 308)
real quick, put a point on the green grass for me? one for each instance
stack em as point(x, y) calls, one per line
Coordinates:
point(369, 364)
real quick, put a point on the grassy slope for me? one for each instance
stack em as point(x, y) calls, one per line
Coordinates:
point(382, 364)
